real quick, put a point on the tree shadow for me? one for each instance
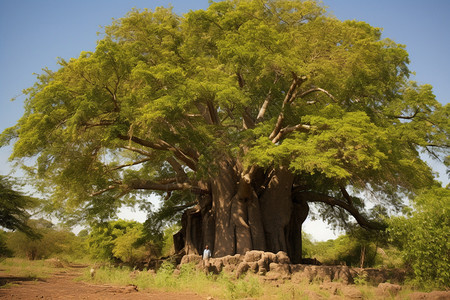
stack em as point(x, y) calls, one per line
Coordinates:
point(4, 280)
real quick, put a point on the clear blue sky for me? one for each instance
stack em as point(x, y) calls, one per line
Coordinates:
point(34, 33)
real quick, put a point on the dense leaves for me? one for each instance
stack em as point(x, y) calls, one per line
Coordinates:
point(13, 208)
point(423, 236)
point(164, 99)
point(52, 242)
point(118, 241)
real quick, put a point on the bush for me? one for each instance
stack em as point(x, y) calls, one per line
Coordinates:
point(52, 242)
point(117, 241)
point(423, 238)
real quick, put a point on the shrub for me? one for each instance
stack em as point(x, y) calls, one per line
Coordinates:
point(423, 237)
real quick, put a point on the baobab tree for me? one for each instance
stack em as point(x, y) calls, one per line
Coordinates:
point(241, 116)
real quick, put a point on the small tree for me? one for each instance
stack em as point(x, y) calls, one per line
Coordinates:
point(423, 236)
point(51, 242)
point(13, 207)
point(117, 241)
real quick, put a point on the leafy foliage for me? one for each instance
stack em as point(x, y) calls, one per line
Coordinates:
point(423, 236)
point(118, 241)
point(13, 208)
point(51, 242)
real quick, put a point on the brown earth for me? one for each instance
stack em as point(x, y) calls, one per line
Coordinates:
point(62, 285)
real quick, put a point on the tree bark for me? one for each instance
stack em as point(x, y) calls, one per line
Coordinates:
point(234, 218)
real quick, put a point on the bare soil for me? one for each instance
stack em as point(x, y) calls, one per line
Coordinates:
point(62, 285)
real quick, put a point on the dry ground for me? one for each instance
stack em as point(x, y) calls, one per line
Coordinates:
point(63, 286)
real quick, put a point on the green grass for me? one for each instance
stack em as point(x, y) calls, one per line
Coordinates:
point(26, 268)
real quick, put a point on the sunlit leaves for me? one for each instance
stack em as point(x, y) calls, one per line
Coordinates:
point(424, 237)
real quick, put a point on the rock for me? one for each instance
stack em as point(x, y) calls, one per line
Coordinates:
point(311, 261)
point(435, 295)
point(216, 265)
point(297, 268)
point(343, 274)
point(253, 256)
point(176, 272)
point(191, 258)
point(388, 289)
point(325, 274)
point(351, 292)
point(270, 257)
point(263, 263)
point(332, 287)
point(130, 288)
point(231, 259)
point(310, 273)
point(278, 271)
point(253, 267)
point(283, 258)
point(241, 269)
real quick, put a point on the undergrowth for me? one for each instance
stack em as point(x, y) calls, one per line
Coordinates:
point(34, 269)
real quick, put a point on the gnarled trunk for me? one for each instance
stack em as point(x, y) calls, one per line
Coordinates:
point(246, 211)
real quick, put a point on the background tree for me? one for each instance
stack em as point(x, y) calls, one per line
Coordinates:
point(52, 241)
point(423, 237)
point(119, 241)
point(13, 207)
point(238, 116)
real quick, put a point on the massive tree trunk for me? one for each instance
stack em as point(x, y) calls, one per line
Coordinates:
point(246, 210)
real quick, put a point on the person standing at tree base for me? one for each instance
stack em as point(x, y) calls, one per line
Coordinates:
point(206, 257)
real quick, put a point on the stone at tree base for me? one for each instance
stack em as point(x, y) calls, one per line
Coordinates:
point(253, 255)
point(350, 292)
point(216, 265)
point(435, 295)
point(332, 287)
point(176, 272)
point(283, 258)
point(386, 289)
point(231, 259)
point(191, 258)
point(278, 271)
point(253, 267)
point(343, 275)
point(241, 269)
point(268, 264)
point(263, 263)
point(271, 257)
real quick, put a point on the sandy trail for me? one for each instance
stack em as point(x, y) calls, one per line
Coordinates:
point(63, 286)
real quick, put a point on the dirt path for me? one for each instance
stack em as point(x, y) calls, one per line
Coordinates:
point(63, 286)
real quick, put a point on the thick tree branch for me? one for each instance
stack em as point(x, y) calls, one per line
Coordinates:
point(137, 150)
point(165, 187)
point(266, 102)
point(289, 129)
point(317, 197)
point(131, 164)
point(263, 108)
point(163, 145)
point(313, 90)
point(213, 112)
point(248, 121)
point(109, 188)
point(290, 96)
point(177, 167)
